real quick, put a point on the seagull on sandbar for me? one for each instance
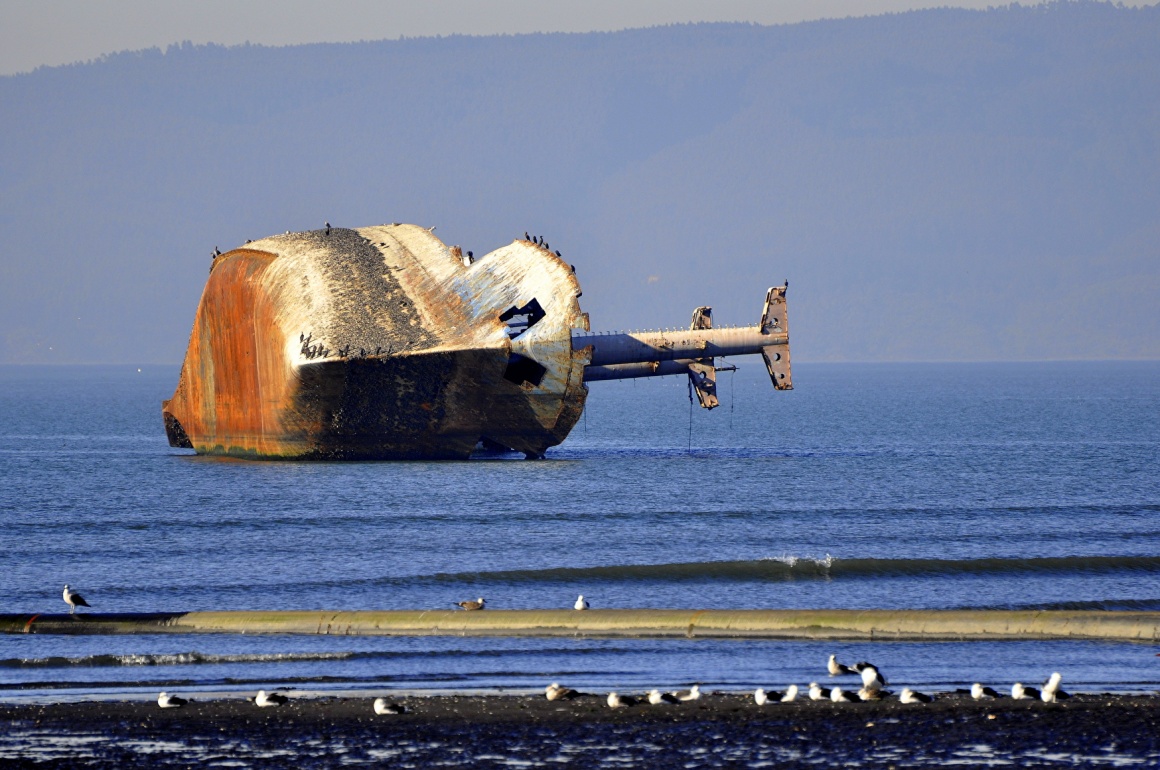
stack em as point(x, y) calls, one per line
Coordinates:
point(555, 692)
point(656, 697)
point(789, 695)
point(469, 606)
point(1051, 692)
point(384, 706)
point(1019, 692)
point(817, 692)
point(73, 599)
point(618, 701)
point(760, 697)
point(693, 693)
point(872, 693)
point(167, 701)
point(265, 699)
point(838, 669)
point(979, 692)
point(581, 603)
point(871, 679)
point(837, 696)
point(910, 696)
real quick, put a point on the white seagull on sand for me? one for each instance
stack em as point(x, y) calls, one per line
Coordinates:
point(581, 603)
point(979, 692)
point(910, 696)
point(167, 701)
point(871, 679)
point(265, 699)
point(837, 696)
point(760, 697)
point(1019, 692)
point(618, 701)
point(790, 694)
point(475, 605)
point(383, 706)
point(1051, 691)
point(73, 599)
point(656, 697)
point(693, 693)
point(817, 692)
point(837, 669)
point(555, 691)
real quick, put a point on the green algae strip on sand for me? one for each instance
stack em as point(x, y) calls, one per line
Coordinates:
point(739, 624)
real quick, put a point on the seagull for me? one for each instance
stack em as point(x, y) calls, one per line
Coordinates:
point(475, 605)
point(617, 701)
point(383, 706)
point(760, 697)
point(838, 669)
point(581, 603)
point(1019, 692)
point(265, 699)
point(790, 694)
point(167, 701)
point(910, 696)
point(328, 228)
point(656, 697)
point(468, 258)
point(871, 679)
point(73, 599)
point(872, 693)
point(1051, 690)
point(817, 692)
point(979, 692)
point(837, 696)
point(693, 693)
point(555, 692)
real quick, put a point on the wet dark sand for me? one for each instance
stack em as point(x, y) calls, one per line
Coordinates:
point(523, 731)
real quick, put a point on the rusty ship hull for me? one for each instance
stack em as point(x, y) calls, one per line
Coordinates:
point(380, 343)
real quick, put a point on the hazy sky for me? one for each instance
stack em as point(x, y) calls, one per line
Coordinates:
point(49, 32)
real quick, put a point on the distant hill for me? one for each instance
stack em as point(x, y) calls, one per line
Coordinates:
point(940, 184)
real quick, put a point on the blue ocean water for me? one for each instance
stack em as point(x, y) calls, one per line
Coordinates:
point(1031, 485)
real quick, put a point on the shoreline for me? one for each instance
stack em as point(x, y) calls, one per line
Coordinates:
point(502, 730)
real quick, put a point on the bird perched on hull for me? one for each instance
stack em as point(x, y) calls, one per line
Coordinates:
point(328, 228)
point(581, 603)
point(265, 699)
point(1051, 692)
point(470, 606)
point(910, 696)
point(73, 599)
point(838, 669)
point(167, 701)
point(979, 692)
point(383, 706)
point(1019, 692)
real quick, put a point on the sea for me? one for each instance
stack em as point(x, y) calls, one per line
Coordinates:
point(964, 485)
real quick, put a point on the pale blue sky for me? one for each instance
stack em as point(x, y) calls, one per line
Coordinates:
point(51, 32)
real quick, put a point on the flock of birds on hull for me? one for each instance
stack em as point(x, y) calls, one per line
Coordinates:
point(873, 683)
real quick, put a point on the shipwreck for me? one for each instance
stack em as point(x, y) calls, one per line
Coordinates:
point(384, 343)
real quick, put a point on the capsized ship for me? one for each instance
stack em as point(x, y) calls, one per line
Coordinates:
point(383, 343)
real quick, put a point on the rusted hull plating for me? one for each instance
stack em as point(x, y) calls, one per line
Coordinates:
point(383, 343)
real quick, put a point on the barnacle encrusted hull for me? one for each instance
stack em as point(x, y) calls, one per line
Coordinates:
point(380, 343)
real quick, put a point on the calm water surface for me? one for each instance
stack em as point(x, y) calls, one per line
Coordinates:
point(940, 486)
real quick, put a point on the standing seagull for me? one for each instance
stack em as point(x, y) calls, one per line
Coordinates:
point(167, 701)
point(73, 599)
point(871, 679)
point(1051, 691)
point(581, 603)
point(475, 605)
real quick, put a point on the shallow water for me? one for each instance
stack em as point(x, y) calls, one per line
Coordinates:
point(926, 486)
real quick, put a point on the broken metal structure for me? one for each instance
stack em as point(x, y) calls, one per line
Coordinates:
point(384, 343)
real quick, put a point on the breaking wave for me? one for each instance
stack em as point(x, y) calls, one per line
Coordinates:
point(811, 568)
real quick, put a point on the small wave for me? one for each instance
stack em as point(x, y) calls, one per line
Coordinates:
point(170, 659)
point(788, 567)
point(1129, 605)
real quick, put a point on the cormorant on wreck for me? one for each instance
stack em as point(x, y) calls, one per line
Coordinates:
point(328, 228)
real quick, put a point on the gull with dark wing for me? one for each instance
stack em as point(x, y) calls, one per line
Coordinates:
point(471, 606)
point(73, 599)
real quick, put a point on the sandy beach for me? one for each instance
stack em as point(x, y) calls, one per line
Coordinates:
point(720, 730)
